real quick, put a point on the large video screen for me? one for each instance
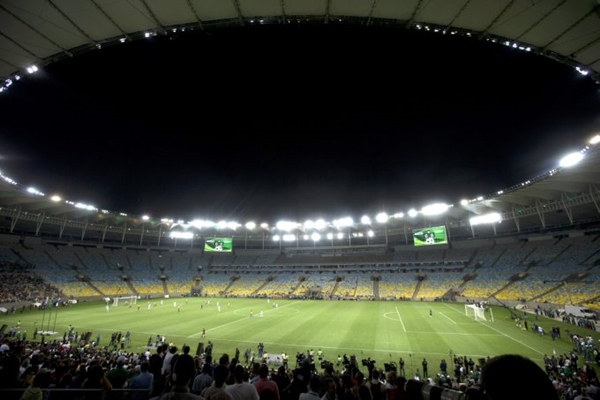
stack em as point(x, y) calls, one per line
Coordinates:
point(218, 244)
point(430, 236)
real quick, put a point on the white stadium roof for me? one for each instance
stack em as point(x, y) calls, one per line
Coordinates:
point(40, 32)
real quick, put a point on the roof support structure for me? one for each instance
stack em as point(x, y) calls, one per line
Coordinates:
point(539, 208)
point(142, 234)
point(563, 33)
point(414, 14)
point(84, 229)
point(463, 8)
point(108, 17)
point(38, 224)
point(567, 207)
point(104, 230)
point(539, 21)
point(198, 19)
point(154, 17)
point(593, 191)
point(491, 24)
point(63, 225)
point(13, 221)
point(515, 218)
point(70, 21)
point(124, 230)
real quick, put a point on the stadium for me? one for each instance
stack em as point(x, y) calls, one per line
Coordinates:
point(513, 271)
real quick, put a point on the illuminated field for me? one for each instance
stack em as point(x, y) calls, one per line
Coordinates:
point(381, 330)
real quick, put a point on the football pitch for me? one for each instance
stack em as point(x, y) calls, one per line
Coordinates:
point(383, 331)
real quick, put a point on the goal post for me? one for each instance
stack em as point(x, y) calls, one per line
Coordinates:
point(124, 299)
point(475, 312)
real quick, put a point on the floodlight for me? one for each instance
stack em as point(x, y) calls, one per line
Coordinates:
point(486, 219)
point(382, 218)
point(435, 209)
point(286, 225)
point(571, 159)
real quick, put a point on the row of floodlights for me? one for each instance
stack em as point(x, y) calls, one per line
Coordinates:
point(320, 224)
point(581, 69)
point(515, 45)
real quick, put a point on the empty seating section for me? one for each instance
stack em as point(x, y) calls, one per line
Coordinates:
point(94, 259)
point(138, 261)
point(7, 255)
point(485, 284)
point(397, 286)
point(364, 287)
point(179, 283)
point(438, 283)
point(246, 285)
point(110, 284)
point(555, 270)
point(147, 285)
point(215, 284)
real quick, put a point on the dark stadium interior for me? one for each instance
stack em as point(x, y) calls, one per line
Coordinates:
point(134, 158)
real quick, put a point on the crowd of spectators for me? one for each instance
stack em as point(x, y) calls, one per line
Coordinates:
point(23, 286)
point(29, 368)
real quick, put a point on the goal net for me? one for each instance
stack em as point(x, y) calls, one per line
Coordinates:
point(124, 300)
point(475, 312)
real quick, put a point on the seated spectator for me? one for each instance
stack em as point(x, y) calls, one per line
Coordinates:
point(216, 391)
point(498, 379)
point(241, 389)
point(182, 374)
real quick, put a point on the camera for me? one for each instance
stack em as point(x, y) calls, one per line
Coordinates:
point(417, 390)
point(368, 363)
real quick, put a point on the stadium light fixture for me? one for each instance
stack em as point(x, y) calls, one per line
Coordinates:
point(485, 219)
point(309, 224)
point(33, 190)
point(595, 139)
point(286, 226)
point(289, 237)
point(412, 213)
point(250, 225)
point(343, 222)
point(571, 159)
point(382, 218)
point(320, 224)
point(181, 235)
point(55, 198)
point(435, 209)
point(365, 220)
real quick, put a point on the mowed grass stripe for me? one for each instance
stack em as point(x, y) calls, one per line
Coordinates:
point(381, 330)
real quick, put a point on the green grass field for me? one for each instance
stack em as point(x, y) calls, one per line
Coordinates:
point(381, 330)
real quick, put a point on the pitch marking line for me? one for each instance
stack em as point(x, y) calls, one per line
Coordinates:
point(503, 334)
point(450, 319)
point(400, 318)
point(241, 319)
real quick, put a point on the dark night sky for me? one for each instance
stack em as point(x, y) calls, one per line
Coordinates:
point(275, 123)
